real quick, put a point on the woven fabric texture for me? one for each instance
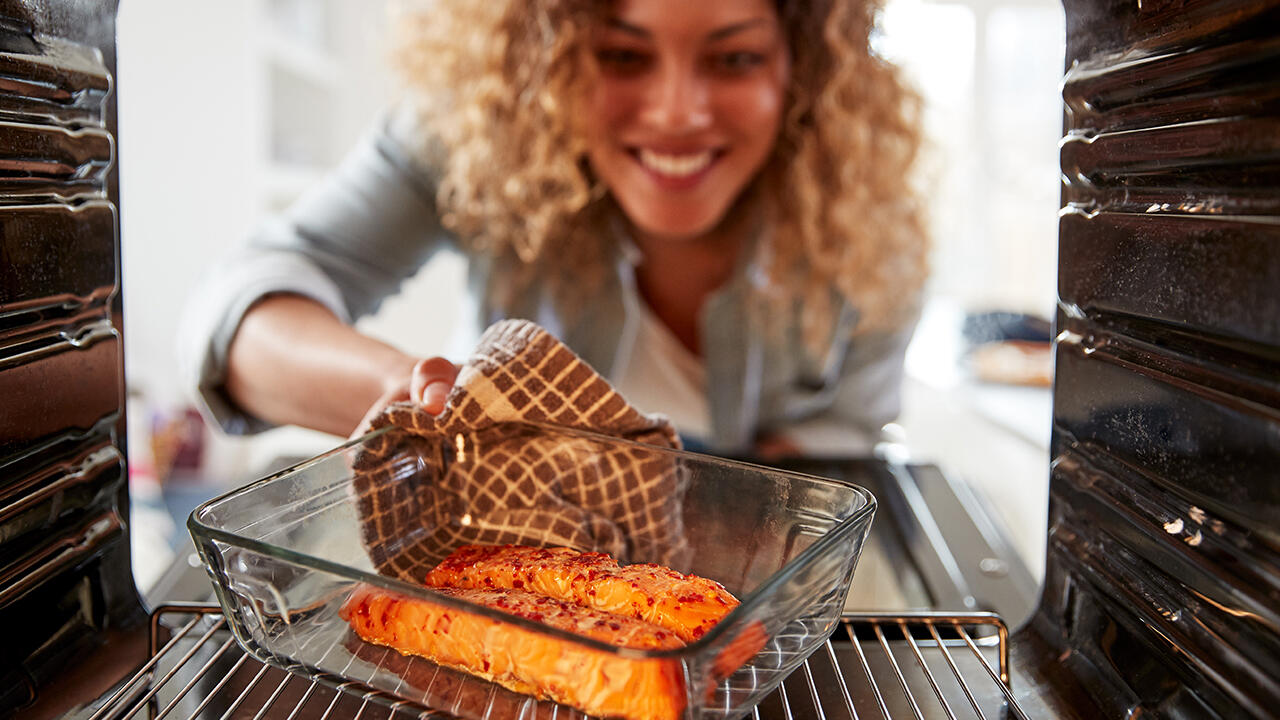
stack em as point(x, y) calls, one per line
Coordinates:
point(477, 473)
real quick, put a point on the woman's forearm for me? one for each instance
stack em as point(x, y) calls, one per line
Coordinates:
point(292, 361)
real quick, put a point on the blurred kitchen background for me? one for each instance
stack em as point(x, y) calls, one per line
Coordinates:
point(228, 111)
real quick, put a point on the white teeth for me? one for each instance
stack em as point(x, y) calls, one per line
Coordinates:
point(675, 165)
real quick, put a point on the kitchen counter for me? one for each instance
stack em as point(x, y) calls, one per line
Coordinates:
point(993, 437)
point(996, 440)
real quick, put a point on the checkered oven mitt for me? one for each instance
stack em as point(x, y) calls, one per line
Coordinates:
point(434, 483)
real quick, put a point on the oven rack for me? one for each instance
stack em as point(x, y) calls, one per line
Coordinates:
point(919, 665)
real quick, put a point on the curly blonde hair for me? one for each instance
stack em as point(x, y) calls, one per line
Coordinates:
point(504, 78)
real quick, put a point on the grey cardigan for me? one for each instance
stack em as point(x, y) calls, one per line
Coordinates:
point(372, 224)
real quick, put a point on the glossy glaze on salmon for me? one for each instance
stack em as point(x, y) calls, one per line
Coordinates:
point(687, 605)
point(597, 682)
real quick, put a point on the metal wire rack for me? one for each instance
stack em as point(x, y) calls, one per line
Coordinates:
point(875, 666)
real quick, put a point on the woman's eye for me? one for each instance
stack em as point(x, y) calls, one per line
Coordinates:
point(737, 62)
point(621, 59)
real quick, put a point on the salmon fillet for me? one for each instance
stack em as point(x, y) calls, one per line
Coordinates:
point(687, 605)
point(597, 682)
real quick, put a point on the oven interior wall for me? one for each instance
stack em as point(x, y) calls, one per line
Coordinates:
point(65, 580)
point(1162, 590)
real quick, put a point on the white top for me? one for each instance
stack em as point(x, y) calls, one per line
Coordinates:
point(662, 376)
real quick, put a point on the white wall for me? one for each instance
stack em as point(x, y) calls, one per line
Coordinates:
point(188, 139)
point(989, 71)
point(201, 87)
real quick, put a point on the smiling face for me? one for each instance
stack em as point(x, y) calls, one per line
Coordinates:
point(686, 107)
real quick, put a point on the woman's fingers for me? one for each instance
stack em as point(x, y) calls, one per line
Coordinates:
point(428, 385)
point(431, 382)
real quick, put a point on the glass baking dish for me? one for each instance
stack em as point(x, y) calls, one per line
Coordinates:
point(285, 552)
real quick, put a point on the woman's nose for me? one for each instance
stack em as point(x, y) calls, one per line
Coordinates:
point(678, 100)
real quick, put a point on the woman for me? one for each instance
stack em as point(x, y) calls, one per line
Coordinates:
point(708, 201)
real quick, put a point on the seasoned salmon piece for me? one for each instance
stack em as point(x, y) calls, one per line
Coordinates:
point(687, 605)
point(596, 682)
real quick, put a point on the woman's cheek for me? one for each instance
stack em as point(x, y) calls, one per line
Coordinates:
point(613, 101)
point(754, 110)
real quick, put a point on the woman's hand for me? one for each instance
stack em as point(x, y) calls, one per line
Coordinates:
point(428, 385)
point(431, 382)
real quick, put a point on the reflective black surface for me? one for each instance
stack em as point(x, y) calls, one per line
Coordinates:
point(65, 580)
point(1162, 594)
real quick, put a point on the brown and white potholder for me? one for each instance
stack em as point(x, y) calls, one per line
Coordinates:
point(466, 476)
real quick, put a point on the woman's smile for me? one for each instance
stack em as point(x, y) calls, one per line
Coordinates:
point(677, 170)
point(673, 165)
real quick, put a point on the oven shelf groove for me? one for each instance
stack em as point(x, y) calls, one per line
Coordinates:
point(874, 667)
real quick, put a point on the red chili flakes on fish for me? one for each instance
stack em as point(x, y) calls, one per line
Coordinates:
point(683, 605)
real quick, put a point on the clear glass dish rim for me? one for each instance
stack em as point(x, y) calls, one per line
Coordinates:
point(757, 597)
